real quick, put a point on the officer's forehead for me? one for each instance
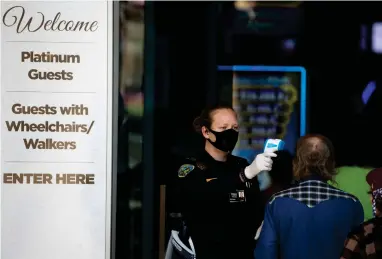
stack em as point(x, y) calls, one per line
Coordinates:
point(224, 116)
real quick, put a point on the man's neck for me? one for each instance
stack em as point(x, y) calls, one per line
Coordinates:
point(313, 177)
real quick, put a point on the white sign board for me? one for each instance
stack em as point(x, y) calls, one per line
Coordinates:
point(56, 115)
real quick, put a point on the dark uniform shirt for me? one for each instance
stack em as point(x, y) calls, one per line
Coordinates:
point(221, 211)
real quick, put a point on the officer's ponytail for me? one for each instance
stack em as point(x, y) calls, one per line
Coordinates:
point(198, 125)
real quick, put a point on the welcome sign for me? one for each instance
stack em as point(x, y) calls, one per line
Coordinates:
point(56, 116)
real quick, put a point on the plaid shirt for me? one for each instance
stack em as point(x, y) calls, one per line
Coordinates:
point(312, 192)
point(365, 242)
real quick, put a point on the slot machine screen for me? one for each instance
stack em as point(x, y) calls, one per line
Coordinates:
point(270, 102)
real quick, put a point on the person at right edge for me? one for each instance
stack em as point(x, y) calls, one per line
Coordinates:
point(312, 219)
point(218, 194)
point(365, 241)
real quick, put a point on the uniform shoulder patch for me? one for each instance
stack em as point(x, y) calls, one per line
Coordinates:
point(185, 169)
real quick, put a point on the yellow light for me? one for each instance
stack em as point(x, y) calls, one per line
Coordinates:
point(244, 5)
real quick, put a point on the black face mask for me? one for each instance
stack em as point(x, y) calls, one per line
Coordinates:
point(225, 140)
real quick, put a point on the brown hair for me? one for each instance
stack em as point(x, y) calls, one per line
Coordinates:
point(206, 117)
point(314, 156)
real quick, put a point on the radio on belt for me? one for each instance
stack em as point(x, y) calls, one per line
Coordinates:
point(272, 144)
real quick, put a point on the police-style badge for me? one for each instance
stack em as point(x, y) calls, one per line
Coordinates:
point(238, 196)
point(184, 170)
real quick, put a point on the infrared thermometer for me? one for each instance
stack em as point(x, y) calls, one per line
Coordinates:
point(270, 145)
point(273, 144)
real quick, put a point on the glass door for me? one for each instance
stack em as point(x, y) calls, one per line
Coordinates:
point(130, 169)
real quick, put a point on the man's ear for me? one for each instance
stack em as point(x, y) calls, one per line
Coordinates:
point(205, 132)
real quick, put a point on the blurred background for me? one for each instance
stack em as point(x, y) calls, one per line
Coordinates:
point(288, 68)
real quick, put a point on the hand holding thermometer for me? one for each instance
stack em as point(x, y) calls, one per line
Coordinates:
point(270, 146)
point(263, 162)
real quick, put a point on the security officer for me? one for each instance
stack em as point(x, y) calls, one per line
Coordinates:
point(217, 193)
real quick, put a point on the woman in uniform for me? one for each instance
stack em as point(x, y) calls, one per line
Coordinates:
point(218, 194)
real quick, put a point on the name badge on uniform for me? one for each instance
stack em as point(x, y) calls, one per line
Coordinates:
point(238, 196)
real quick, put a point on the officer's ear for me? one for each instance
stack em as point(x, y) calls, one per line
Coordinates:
point(205, 132)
